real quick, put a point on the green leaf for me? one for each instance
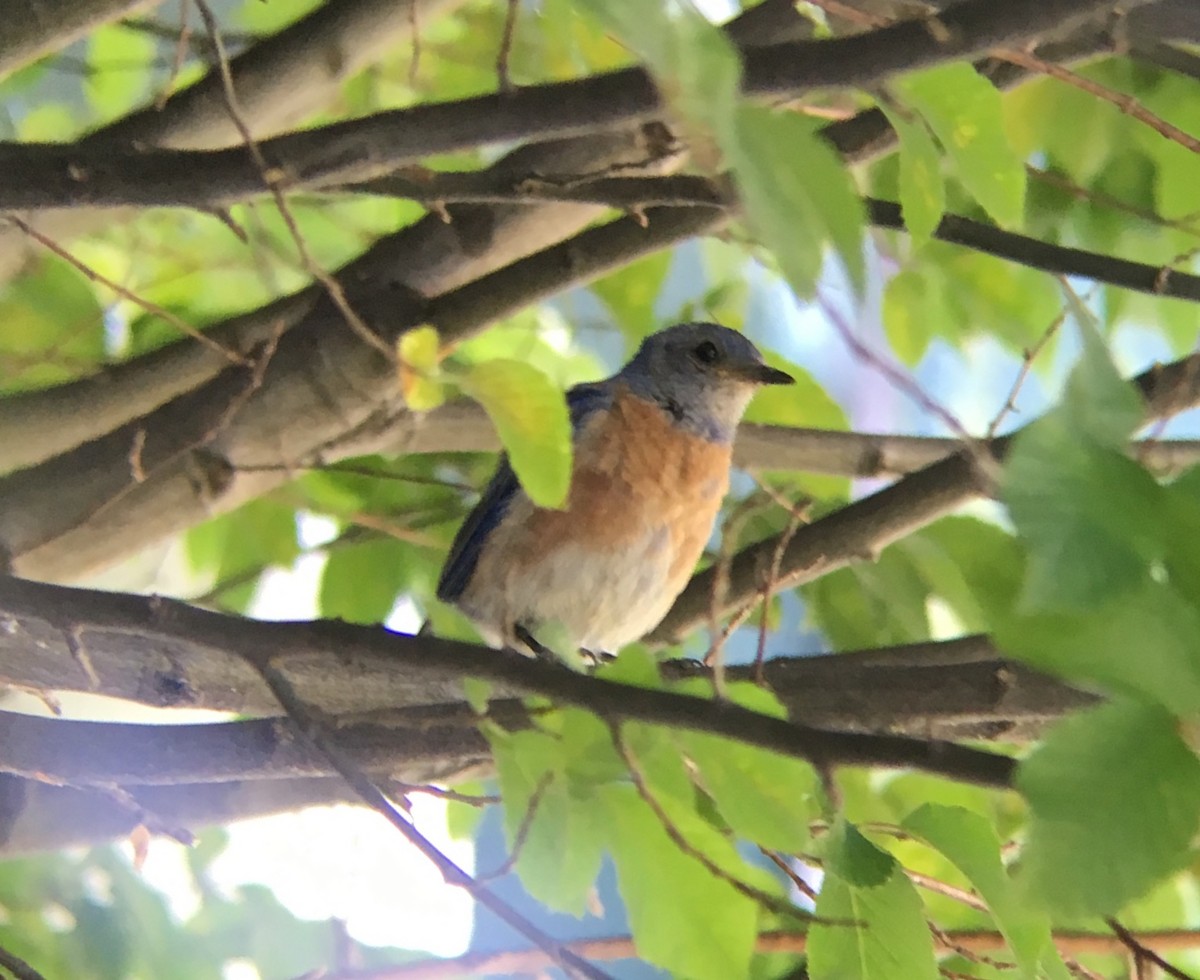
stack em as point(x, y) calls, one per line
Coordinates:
point(684, 919)
point(635, 666)
point(907, 299)
point(1115, 796)
point(854, 859)
point(418, 350)
point(989, 297)
point(361, 581)
point(1138, 642)
point(529, 772)
point(530, 415)
point(797, 193)
point(1087, 514)
point(964, 109)
point(922, 190)
point(51, 318)
point(119, 59)
point(235, 547)
point(477, 693)
point(589, 757)
point(763, 796)
point(969, 841)
point(974, 566)
point(694, 64)
point(1098, 402)
point(560, 857)
point(870, 933)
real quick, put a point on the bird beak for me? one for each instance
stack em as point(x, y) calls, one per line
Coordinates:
point(763, 374)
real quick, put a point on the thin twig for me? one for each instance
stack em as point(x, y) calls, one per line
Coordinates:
point(506, 43)
point(19, 969)
point(414, 23)
point(272, 180)
point(152, 308)
point(522, 834)
point(1028, 356)
point(182, 44)
point(1128, 105)
point(768, 901)
point(1143, 952)
point(802, 886)
point(309, 728)
point(530, 961)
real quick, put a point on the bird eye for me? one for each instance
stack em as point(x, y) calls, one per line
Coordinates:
point(707, 353)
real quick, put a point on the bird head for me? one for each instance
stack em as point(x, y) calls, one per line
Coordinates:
point(703, 374)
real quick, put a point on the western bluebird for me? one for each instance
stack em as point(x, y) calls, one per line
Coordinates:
point(651, 467)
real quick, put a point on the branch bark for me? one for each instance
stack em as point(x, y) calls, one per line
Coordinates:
point(237, 436)
point(81, 619)
point(279, 81)
point(864, 528)
point(464, 427)
point(374, 145)
point(33, 29)
point(37, 817)
point(425, 259)
point(530, 961)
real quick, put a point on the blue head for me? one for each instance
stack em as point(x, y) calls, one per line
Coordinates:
point(703, 374)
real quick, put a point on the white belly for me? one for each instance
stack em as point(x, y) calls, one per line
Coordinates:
point(598, 601)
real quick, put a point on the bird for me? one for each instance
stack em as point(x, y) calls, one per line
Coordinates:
point(652, 453)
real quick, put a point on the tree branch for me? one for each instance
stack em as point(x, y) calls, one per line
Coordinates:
point(530, 961)
point(84, 616)
point(279, 80)
point(945, 691)
point(462, 426)
point(1060, 259)
point(864, 528)
point(959, 688)
point(33, 29)
point(36, 817)
point(364, 148)
point(212, 449)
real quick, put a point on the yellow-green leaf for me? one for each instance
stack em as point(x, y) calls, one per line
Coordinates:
point(530, 415)
point(922, 191)
point(418, 353)
point(963, 109)
point(798, 194)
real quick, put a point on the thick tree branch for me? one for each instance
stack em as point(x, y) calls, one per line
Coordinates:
point(32, 29)
point(37, 817)
point(463, 427)
point(279, 80)
point(85, 617)
point(530, 961)
point(1060, 259)
point(416, 746)
point(368, 147)
point(944, 691)
point(215, 447)
point(864, 528)
point(427, 258)
point(496, 187)
point(953, 689)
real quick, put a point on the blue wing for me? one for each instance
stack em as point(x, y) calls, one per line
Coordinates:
point(582, 402)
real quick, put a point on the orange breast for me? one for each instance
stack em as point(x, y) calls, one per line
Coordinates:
point(635, 474)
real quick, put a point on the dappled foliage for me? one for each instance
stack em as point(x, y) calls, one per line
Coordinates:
point(277, 279)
